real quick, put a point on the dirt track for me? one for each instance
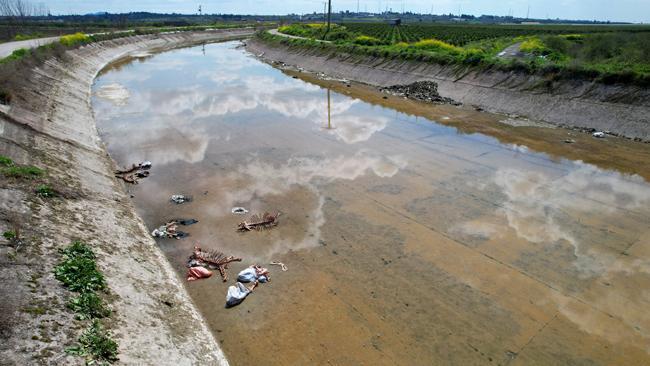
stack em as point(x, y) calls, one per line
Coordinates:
point(622, 110)
point(51, 125)
point(7, 48)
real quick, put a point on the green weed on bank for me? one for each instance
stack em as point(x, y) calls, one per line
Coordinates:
point(46, 191)
point(78, 272)
point(590, 57)
point(10, 169)
point(97, 344)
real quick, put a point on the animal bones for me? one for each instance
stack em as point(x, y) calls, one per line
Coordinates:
point(259, 223)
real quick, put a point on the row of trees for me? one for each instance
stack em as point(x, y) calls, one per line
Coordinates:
point(22, 8)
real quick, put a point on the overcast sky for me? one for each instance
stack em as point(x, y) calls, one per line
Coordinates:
point(615, 10)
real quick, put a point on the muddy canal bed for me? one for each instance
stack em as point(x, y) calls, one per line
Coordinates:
point(407, 240)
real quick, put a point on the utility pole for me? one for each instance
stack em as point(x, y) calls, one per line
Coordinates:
point(357, 6)
point(324, 10)
point(329, 16)
point(528, 12)
point(200, 10)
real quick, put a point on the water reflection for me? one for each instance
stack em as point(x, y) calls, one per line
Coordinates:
point(329, 112)
point(234, 91)
point(259, 178)
point(394, 197)
point(542, 210)
point(114, 93)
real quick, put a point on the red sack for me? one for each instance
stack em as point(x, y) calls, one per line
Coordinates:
point(196, 273)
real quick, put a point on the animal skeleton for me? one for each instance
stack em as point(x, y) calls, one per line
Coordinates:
point(214, 258)
point(145, 165)
point(259, 223)
point(137, 171)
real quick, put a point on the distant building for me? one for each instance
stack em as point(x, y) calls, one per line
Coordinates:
point(395, 21)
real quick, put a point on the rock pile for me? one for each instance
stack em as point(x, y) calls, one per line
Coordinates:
point(426, 91)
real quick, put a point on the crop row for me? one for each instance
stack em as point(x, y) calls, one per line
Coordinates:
point(460, 35)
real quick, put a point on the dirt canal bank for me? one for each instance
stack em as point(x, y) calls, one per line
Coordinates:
point(413, 234)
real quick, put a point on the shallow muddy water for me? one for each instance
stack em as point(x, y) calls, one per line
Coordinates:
point(407, 241)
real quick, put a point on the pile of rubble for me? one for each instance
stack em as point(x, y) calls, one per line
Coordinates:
point(426, 91)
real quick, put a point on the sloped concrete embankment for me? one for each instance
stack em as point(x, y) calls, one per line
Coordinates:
point(50, 124)
point(621, 109)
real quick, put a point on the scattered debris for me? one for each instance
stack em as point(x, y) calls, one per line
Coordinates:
point(521, 121)
point(599, 134)
point(197, 273)
point(569, 141)
point(186, 222)
point(180, 199)
point(213, 259)
point(133, 178)
point(325, 77)
point(135, 172)
point(420, 90)
point(284, 268)
point(259, 223)
point(237, 293)
point(170, 229)
point(145, 165)
point(239, 210)
point(254, 273)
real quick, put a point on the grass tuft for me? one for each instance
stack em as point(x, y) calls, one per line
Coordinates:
point(46, 191)
point(96, 343)
point(10, 235)
point(27, 171)
point(5, 161)
point(78, 271)
point(88, 305)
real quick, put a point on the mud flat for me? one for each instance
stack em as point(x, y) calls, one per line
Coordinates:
point(622, 110)
point(51, 125)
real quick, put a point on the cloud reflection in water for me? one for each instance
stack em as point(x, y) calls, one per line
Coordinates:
point(536, 206)
point(265, 179)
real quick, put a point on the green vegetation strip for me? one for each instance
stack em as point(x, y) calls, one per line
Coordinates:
point(79, 273)
point(463, 34)
point(608, 54)
point(9, 169)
